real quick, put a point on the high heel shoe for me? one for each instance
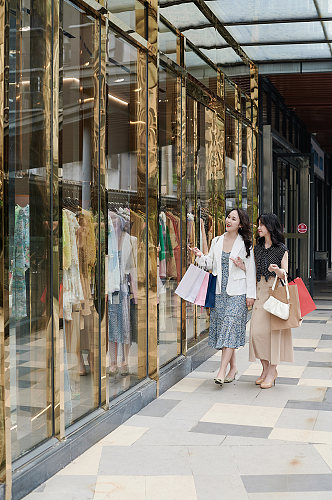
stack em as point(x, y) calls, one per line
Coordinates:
point(260, 380)
point(269, 384)
point(219, 381)
point(230, 379)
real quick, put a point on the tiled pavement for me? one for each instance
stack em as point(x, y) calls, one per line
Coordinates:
point(200, 441)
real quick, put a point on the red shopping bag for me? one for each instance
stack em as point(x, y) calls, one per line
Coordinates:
point(307, 305)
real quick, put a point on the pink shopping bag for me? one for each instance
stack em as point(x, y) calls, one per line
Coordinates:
point(201, 296)
point(191, 283)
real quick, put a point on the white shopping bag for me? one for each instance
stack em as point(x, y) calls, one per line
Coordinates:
point(191, 283)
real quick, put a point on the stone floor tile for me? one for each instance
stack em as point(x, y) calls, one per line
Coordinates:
point(316, 382)
point(297, 419)
point(170, 488)
point(187, 385)
point(300, 435)
point(120, 488)
point(125, 435)
point(85, 464)
point(231, 430)
point(80, 487)
point(288, 483)
point(158, 407)
point(291, 370)
point(325, 451)
point(310, 405)
point(220, 487)
point(282, 459)
point(303, 495)
point(211, 460)
point(242, 415)
point(324, 421)
point(144, 461)
point(171, 437)
point(301, 342)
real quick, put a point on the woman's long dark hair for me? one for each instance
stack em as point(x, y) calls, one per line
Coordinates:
point(245, 229)
point(272, 224)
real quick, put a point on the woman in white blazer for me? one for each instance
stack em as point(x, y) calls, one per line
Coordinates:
point(235, 289)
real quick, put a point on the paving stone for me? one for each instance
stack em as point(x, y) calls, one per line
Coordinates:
point(288, 482)
point(159, 408)
point(232, 430)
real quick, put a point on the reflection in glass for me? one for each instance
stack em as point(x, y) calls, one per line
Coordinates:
point(204, 196)
point(130, 12)
point(27, 144)
point(244, 168)
point(169, 265)
point(78, 293)
point(230, 170)
point(190, 193)
point(127, 232)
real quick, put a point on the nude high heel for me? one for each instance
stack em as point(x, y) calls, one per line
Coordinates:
point(259, 380)
point(269, 384)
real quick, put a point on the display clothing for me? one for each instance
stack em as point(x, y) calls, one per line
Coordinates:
point(21, 262)
point(272, 345)
point(72, 286)
point(228, 318)
point(87, 256)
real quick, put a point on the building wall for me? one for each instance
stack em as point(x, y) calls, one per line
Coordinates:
point(115, 159)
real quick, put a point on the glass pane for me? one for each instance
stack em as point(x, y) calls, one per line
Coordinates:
point(169, 274)
point(131, 13)
point(205, 219)
point(190, 187)
point(287, 32)
point(230, 166)
point(222, 56)
point(183, 15)
point(28, 148)
point(78, 295)
point(202, 71)
point(167, 42)
point(288, 52)
point(125, 184)
point(254, 10)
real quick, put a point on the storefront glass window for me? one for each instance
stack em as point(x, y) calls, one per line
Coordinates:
point(131, 13)
point(29, 229)
point(79, 315)
point(168, 42)
point(205, 221)
point(190, 193)
point(126, 226)
point(169, 265)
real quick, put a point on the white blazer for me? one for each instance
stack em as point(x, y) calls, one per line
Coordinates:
point(239, 282)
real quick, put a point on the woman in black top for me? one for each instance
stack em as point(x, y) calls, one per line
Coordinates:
point(270, 346)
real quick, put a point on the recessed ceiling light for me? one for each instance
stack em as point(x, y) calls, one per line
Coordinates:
point(119, 80)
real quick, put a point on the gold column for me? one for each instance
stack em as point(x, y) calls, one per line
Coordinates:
point(253, 176)
point(5, 441)
point(238, 149)
point(95, 205)
point(220, 159)
point(152, 187)
point(140, 117)
point(104, 388)
point(179, 193)
point(195, 167)
point(59, 421)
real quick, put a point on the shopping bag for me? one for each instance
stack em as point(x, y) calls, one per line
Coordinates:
point(295, 318)
point(211, 291)
point(191, 283)
point(307, 305)
point(201, 296)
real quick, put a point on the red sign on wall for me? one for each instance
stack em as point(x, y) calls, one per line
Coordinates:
point(302, 228)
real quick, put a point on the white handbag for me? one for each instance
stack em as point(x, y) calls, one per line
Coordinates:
point(275, 306)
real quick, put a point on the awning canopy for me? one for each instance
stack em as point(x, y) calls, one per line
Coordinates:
point(267, 31)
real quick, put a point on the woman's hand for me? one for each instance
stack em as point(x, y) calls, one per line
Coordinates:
point(273, 268)
point(196, 251)
point(239, 263)
point(250, 302)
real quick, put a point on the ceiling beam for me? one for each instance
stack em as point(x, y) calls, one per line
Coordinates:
point(210, 16)
point(278, 21)
point(266, 44)
point(171, 3)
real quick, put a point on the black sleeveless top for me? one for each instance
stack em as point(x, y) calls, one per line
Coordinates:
point(266, 256)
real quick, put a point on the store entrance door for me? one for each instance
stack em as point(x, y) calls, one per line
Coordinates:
point(291, 202)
